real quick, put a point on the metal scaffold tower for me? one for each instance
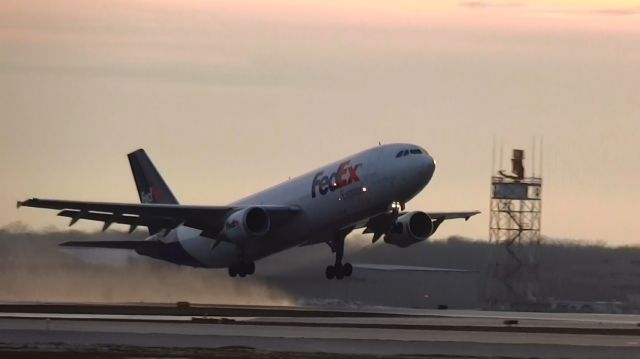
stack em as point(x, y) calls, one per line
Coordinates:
point(514, 235)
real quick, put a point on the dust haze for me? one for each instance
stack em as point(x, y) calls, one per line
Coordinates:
point(34, 269)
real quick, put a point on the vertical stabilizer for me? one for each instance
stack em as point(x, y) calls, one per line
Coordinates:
point(151, 187)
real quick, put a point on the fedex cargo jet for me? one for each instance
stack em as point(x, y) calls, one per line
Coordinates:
point(367, 190)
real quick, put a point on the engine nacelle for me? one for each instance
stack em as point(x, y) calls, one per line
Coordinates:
point(246, 223)
point(410, 228)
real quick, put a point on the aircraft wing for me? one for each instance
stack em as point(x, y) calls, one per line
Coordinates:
point(210, 219)
point(452, 215)
point(380, 224)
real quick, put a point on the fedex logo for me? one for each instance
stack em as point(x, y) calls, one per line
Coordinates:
point(146, 197)
point(151, 196)
point(345, 175)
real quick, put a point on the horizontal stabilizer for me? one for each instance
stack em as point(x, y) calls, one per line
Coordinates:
point(403, 268)
point(112, 244)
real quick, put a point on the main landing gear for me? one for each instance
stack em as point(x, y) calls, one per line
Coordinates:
point(242, 269)
point(338, 270)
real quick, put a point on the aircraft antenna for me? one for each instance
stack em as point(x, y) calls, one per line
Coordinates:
point(493, 156)
point(533, 157)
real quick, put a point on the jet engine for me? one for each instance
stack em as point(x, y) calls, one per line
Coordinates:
point(246, 223)
point(409, 229)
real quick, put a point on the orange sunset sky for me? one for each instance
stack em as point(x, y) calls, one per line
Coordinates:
point(229, 97)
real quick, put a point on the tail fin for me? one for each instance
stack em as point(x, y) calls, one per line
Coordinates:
point(151, 187)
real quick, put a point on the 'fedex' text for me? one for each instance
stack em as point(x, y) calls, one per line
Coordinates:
point(343, 176)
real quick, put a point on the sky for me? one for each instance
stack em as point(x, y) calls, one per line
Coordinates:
point(230, 97)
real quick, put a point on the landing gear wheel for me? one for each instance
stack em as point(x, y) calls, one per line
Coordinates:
point(330, 272)
point(233, 271)
point(339, 271)
point(242, 269)
point(347, 268)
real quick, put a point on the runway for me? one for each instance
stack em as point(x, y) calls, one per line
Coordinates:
point(367, 331)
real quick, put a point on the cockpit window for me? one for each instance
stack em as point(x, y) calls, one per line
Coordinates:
point(414, 151)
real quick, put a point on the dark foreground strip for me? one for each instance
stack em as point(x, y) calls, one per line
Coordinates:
point(116, 352)
point(386, 326)
point(188, 310)
point(463, 328)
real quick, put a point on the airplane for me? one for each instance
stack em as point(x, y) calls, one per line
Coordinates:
point(367, 190)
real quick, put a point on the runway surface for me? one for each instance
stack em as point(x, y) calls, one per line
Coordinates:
point(366, 331)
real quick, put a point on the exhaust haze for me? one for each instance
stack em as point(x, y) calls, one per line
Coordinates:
point(33, 268)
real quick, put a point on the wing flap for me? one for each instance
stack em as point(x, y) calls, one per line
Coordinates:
point(379, 225)
point(101, 217)
point(130, 220)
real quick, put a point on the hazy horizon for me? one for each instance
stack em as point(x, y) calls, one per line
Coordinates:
point(230, 97)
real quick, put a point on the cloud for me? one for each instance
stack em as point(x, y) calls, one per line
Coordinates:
point(606, 12)
point(558, 10)
point(221, 75)
point(618, 11)
point(489, 4)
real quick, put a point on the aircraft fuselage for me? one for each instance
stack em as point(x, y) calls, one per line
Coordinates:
point(331, 198)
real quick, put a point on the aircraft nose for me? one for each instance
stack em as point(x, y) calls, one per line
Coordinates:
point(432, 163)
point(428, 166)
